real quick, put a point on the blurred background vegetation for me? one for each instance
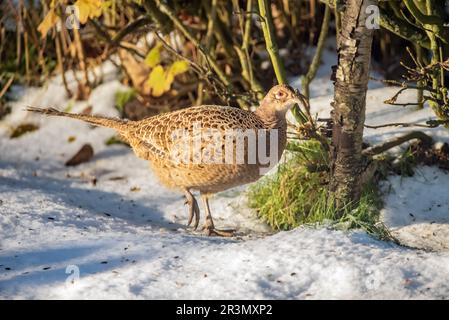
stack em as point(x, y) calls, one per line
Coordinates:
point(178, 53)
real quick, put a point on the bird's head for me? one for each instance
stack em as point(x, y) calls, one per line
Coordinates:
point(282, 98)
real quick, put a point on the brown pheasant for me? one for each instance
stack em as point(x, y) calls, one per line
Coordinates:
point(206, 148)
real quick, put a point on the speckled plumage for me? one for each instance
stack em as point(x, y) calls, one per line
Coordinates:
point(152, 140)
point(158, 139)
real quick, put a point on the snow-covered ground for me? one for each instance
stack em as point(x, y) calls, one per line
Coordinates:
point(62, 236)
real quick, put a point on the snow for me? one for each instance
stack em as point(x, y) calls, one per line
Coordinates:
point(303, 263)
point(417, 209)
point(125, 235)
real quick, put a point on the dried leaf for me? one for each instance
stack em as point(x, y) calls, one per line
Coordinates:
point(22, 129)
point(87, 110)
point(89, 9)
point(83, 155)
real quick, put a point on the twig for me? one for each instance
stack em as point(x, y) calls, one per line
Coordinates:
point(60, 60)
point(270, 42)
point(273, 51)
point(429, 124)
point(197, 68)
point(420, 93)
point(164, 24)
point(6, 86)
point(211, 79)
point(402, 28)
point(180, 26)
point(311, 73)
point(130, 28)
point(372, 151)
point(243, 52)
point(404, 84)
point(211, 12)
point(105, 36)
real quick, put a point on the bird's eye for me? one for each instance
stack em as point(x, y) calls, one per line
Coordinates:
point(279, 95)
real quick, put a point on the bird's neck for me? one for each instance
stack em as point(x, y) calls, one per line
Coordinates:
point(270, 117)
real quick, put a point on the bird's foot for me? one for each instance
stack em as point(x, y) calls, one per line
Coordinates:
point(210, 230)
point(220, 233)
point(194, 212)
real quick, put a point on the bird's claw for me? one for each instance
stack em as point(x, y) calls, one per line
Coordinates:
point(220, 233)
point(209, 230)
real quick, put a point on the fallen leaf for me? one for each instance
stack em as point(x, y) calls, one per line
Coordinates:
point(116, 178)
point(87, 110)
point(114, 140)
point(22, 129)
point(83, 155)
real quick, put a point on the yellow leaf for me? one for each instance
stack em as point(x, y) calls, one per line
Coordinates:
point(107, 4)
point(153, 57)
point(156, 81)
point(88, 9)
point(160, 80)
point(169, 78)
point(178, 67)
point(49, 22)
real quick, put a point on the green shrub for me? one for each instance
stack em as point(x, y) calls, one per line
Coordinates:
point(298, 194)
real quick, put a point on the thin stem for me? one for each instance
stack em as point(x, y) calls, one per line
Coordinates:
point(377, 149)
point(319, 51)
point(420, 92)
point(243, 52)
point(270, 41)
point(179, 25)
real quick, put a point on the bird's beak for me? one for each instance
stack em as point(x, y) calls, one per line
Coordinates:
point(300, 99)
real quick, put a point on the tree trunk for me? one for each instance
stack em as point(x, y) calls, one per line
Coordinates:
point(351, 81)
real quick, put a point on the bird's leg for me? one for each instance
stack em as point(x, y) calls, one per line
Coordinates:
point(209, 223)
point(194, 210)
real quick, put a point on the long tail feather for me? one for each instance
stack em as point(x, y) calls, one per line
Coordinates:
point(114, 123)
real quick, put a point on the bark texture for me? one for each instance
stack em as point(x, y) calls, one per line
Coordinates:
point(351, 80)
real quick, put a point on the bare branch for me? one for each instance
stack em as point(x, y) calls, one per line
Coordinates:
point(377, 149)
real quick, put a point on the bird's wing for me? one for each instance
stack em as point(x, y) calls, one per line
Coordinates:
point(163, 135)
